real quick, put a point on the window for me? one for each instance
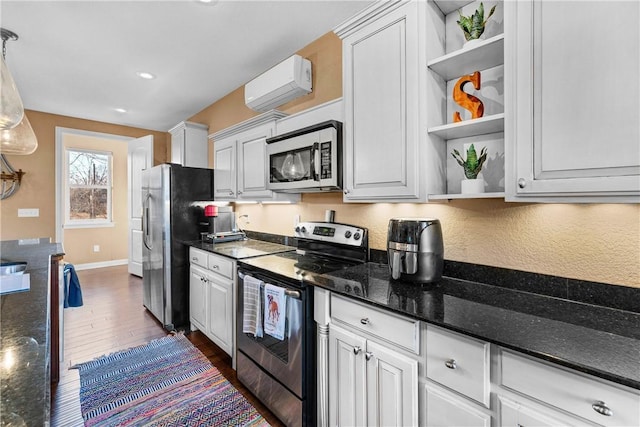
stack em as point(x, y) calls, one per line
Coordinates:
point(88, 187)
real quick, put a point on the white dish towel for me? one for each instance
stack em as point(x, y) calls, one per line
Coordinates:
point(252, 314)
point(275, 310)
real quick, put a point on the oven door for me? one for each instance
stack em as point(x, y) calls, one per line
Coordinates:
point(282, 359)
point(308, 161)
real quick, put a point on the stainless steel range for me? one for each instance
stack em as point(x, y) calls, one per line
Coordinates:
point(281, 372)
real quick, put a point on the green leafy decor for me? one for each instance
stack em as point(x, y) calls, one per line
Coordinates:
point(473, 164)
point(473, 26)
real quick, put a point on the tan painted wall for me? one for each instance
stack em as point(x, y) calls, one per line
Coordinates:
point(38, 187)
point(79, 242)
point(589, 242)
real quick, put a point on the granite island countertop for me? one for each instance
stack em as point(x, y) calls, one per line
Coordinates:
point(24, 336)
point(600, 341)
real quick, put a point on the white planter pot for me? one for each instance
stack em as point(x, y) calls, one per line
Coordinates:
point(471, 43)
point(470, 186)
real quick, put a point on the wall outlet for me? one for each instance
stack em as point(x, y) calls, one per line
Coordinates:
point(28, 213)
point(96, 248)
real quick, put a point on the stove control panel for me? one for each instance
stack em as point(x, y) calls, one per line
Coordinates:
point(331, 232)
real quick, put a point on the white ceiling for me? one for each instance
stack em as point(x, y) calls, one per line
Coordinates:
point(80, 58)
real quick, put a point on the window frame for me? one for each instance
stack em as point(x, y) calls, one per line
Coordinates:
point(88, 223)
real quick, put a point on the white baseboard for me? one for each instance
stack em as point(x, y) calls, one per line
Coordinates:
point(102, 264)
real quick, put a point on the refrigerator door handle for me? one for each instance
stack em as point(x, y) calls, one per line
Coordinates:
point(145, 222)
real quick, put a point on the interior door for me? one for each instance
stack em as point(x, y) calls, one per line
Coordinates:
point(140, 157)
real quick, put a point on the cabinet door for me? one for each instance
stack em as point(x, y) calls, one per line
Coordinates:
point(346, 378)
point(177, 145)
point(382, 85)
point(252, 163)
point(572, 107)
point(444, 410)
point(392, 387)
point(198, 299)
point(513, 414)
point(196, 146)
point(220, 312)
point(224, 169)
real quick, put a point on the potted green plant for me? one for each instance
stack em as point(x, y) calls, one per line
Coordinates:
point(473, 26)
point(472, 166)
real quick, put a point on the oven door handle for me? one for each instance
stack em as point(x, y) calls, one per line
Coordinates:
point(288, 292)
point(293, 294)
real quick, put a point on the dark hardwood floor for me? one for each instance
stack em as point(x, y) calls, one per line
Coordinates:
point(111, 319)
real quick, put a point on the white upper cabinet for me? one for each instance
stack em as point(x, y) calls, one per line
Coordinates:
point(571, 87)
point(240, 161)
point(189, 145)
point(385, 155)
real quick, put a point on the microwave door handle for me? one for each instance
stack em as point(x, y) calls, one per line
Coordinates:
point(315, 161)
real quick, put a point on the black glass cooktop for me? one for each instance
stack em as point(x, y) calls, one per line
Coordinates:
point(297, 267)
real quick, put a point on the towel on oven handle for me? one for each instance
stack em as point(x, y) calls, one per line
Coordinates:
point(252, 307)
point(275, 310)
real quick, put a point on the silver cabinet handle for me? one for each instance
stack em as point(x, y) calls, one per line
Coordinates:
point(364, 321)
point(451, 364)
point(368, 355)
point(239, 192)
point(356, 349)
point(215, 267)
point(522, 183)
point(231, 193)
point(346, 191)
point(602, 408)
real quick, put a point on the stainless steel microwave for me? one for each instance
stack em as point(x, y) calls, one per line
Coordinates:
point(306, 160)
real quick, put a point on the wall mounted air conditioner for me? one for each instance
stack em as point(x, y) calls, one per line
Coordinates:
point(286, 81)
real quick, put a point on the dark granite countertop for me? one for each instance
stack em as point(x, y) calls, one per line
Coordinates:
point(600, 341)
point(242, 249)
point(24, 336)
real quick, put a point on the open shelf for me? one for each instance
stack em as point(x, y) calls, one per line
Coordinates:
point(486, 54)
point(471, 127)
point(467, 196)
point(448, 6)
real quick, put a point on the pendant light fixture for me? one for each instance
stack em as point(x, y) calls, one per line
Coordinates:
point(11, 108)
point(18, 138)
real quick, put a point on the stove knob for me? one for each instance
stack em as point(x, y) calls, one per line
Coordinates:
point(303, 229)
point(347, 234)
point(356, 236)
point(297, 229)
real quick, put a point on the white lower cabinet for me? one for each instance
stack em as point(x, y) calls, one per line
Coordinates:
point(514, 414)
point(198, 298)
point(211, 297)
point(594, 401)
point(370, 383)
point(458, 382)
point(220, 307)
point(443, 409)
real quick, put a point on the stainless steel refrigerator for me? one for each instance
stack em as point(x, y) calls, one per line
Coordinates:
point(169, 219)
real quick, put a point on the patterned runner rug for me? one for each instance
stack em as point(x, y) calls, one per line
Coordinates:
point(167, 382)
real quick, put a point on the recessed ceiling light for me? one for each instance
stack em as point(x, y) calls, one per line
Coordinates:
point(120, 110)
point(208, 1)
point(145, 75)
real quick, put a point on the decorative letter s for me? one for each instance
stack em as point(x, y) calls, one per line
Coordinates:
point(466, 101)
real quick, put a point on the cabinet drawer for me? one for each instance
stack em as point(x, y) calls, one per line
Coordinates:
point(388, 326)
point(198, 257)
point(444, 411)
point(459, 363)
point(570, 391)
point(221, 265)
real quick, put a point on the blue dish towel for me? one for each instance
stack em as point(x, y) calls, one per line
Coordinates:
point(72, 291)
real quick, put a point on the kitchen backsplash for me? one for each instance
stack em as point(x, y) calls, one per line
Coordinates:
point(602, 294)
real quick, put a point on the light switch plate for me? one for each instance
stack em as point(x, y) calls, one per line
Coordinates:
point(33, 212)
